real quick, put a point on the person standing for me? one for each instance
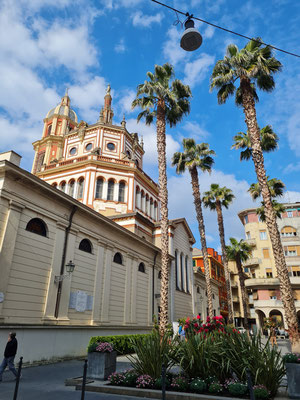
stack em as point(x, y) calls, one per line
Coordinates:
point(273, 339)
point(9, 355)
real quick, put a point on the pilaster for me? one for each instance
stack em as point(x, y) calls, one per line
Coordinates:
point(104, 317)
point(98, 284)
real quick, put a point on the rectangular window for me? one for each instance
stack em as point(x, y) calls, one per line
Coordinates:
point(296, 273)
point(290, 251)
point(290, 214)
point(248, 235)
point(246, 219)
point(269, 274)
point(266, 253)
point(263, 235)
point(177, 271)
point(187, 274)
point(194, 263)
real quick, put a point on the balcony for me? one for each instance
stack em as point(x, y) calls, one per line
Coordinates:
point(235, 299)
point(252, 242)
point(252, 261)
point(256, 282)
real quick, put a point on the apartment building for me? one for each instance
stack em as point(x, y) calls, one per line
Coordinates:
point(263, 284)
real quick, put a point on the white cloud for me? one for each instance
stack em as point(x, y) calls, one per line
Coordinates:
point(120, 47)
point(292, 167)
point(196, 71)
point(194, 130)
point(140, 19)
point(209, 32)
point(88, 98)
point(171, 47)
point(124, 103)
point(149, 137)
point(290, 196)
point(181, 203)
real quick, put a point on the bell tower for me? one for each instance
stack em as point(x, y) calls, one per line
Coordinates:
point(58, 122)
point(106, 113)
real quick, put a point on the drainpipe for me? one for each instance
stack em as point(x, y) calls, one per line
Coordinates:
point(153, 270)
point(63, 261)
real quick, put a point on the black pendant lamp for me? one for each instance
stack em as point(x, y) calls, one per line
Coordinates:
point(191, 39)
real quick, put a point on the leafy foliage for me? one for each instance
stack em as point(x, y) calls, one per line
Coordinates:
point(291, 358)
point(216, 194)
point(198, 385)
point(121, 343)
point(151, 353)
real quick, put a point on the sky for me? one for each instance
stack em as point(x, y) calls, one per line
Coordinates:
point(47, 46)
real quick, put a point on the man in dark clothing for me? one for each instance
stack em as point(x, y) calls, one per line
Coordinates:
point(9, 355)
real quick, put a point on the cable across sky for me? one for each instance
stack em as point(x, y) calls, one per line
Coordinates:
point(224, 29)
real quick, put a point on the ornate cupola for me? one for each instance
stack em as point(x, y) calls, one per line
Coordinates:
point(106, 113)
point(58, 122)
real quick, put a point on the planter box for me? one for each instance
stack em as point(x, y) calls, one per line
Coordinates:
point(293, 380)
point(101, 365)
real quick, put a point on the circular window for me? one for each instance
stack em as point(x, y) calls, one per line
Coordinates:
point(73, 151)
point(111, 146)
point(89, 146)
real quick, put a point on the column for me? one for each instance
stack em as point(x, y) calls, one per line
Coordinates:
point(66, 286)
point(10, 232)
point(98, 289)
point(128, 288)
point(116, 191)
point(55, 270)
point(105, 187)
point(104, 317)
point(134, 273)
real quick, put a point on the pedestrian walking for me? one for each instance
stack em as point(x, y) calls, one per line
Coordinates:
point(9, 355)
point(273, 339)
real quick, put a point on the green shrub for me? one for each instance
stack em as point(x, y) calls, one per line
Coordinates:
point(158, 383)
point(291, 358)
point(179, 384)
point(116, 378)
point(237, 388)
point(130, 378)
point(121, 343)
point(151, 353)
point(215, 388)
point(198, 385)
point(260, 392)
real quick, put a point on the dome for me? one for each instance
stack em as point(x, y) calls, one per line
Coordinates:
point(63, 109)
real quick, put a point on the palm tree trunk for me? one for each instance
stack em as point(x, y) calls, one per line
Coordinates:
point(282, 271)
point(199, 214)
point(163, 196)
point(243, 291)
point(225, 261)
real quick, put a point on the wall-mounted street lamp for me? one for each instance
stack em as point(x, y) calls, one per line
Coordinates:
point(191, 39)
point(69, 268)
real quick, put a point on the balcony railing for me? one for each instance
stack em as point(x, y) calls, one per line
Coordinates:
point(252, 261)
point(252, 242)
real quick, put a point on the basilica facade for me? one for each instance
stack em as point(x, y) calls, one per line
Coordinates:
point(80, 239)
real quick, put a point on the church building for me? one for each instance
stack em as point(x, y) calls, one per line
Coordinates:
point(80, 239)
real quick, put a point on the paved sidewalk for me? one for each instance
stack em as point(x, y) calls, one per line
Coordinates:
point(46, 382)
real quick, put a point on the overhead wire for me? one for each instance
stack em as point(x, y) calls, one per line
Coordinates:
point(225, 29)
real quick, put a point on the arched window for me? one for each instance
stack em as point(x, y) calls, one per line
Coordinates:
point(288, 231)
point(155, 211)
point(187, 274)
point(198, 289)
point(136, 162)
point(85, 245)
point(147, 204)
point(143, 201)
point(49, 130)
point(110, 189)
point(121, 191)
point(141, 267)
point(71, 188)
point(62, 186)
point(99, 188)
point(176, 271)
point(80, 186)
point(118, 259)
point(137, 197)
point(54, 184)
point(36, 225)
point(128, 154)
point(159, 275)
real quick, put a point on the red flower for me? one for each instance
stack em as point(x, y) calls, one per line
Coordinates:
point(198, 316)
point(206, 330)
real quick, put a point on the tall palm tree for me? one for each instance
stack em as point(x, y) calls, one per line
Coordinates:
point(240, 251)
point(214, 199)
point(268, 138)
point(168, 102)
point(276, 187)
point(193, 157)
point(254, 66)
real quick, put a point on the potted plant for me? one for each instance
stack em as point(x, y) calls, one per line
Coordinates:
point(102, 361)
point(292, 363)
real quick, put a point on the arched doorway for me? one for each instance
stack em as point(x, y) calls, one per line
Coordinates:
point(277, 316)
point(260, 319)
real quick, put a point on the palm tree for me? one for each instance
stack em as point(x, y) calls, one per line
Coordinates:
point(276, 187)
point(193, 157)
point(240, 251)
point(254, 66)
point(268, 138)
point(168, 102)
point(214, 199)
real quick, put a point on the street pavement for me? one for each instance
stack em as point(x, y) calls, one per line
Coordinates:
point(46, 382)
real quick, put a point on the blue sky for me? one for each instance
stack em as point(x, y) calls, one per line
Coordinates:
point(47, 45)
